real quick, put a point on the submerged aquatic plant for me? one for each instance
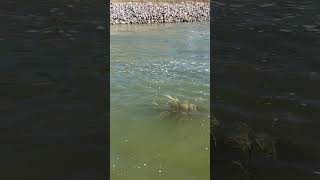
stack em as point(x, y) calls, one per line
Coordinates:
point(249, 142)
point(176, 105)
point(178, 108)
point(243, 140)
point(266, 144)
point(164, 114)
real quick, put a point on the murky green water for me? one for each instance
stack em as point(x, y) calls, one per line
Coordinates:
point(147, 63)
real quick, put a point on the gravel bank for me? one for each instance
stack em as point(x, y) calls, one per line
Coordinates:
point(154, 12)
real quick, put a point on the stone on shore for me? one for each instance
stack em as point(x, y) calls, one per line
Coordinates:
point(156, 12)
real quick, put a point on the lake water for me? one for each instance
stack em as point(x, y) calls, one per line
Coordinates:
point(52, 84)
point(147, 63)
point(267, 73)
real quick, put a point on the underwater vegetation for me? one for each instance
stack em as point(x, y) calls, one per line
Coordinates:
point(176, 107)
point(249, 142)
point(249, 145)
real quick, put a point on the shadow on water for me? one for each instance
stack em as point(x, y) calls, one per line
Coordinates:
point(266, 73)
point(53, 77)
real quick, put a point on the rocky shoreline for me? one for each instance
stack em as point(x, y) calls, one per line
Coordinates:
point(158, 12)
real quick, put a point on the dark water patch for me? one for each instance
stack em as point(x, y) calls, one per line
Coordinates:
point(267, 74)
point(53, 117)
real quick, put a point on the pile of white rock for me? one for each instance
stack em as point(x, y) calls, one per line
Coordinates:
point(156, 12)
